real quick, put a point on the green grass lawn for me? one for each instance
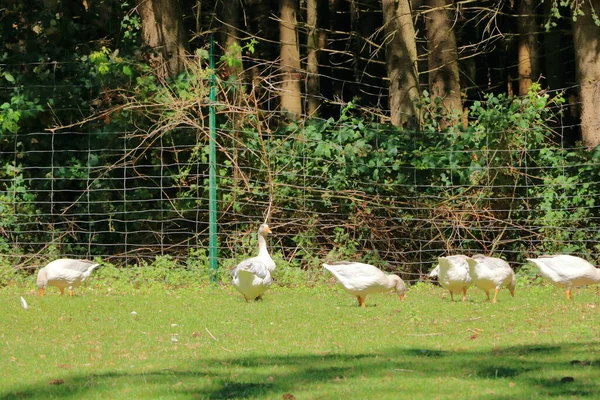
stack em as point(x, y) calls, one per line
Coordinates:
point(312, 343)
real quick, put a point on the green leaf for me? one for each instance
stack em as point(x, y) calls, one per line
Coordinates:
point(202, 53)
point(9, 77)
point(127, 70)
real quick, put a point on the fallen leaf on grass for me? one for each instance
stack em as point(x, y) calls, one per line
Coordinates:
point(288, 396)
point(57, 382)
point(474, 333)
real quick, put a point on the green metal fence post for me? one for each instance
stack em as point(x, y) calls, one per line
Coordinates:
point(212, 174)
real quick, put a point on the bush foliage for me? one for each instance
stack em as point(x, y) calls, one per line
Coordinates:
point(123, 143)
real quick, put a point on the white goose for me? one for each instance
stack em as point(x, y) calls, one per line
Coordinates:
point(252, 277)
point(453, 274)
point(566, 271)
point(64, 273)
point(489, 273)
point(361, 279)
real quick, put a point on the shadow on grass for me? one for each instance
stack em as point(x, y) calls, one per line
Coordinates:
point(546, 371)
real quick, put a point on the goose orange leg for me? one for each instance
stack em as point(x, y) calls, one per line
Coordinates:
point(41, 292)
point(361, 301)
point(70, 292)
point(487, 293)
point(464, 294)
point(62, 291)
point(495, 295)
point(451, 295)
point(569, 294)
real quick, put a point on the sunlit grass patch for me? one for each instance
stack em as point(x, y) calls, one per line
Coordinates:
point(207, 342)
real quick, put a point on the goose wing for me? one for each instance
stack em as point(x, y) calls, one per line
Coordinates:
point(491, 263)
point(356, 276)
point(253, 266)
point(75, 265)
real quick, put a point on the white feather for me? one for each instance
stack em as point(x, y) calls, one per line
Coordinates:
point(435, 272)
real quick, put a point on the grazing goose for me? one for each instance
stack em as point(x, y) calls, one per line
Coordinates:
point(64, 273)
point(453, 274)
point(362, 279)
point(566, 271)
point(489, 273)
point(252, 277)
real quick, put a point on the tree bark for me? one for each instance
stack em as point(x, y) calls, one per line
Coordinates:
point(528, 66)
point(586, 36)
point(291, 100)
point(312, 59)
point(443, 58)
point(162, 31)
point(230, 16)
point(401, 63)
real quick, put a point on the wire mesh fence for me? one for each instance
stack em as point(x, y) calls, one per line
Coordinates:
point(350, 187)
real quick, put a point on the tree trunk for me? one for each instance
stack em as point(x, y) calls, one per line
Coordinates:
point(527, 47)
point(230, 16)
point(443, 58)
point(291, 101)
point(162, 30)
point(312, 60)
point(401, 63)
point(586, 36)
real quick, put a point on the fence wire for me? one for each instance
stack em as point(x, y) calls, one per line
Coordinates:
point(330, 189)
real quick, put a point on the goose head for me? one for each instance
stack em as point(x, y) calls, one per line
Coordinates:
point(264, 230)
point(398, 285)
point(42, 280)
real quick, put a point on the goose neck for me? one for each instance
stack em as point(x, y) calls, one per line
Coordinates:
point(398, 284)
point(393, 282)
point(262, 245)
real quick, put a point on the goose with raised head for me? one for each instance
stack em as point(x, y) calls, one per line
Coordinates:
point(453, 274)
point(65, 273)
point(489, 273)
point(361, 279)
point(252, 277)
point(567, 272)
